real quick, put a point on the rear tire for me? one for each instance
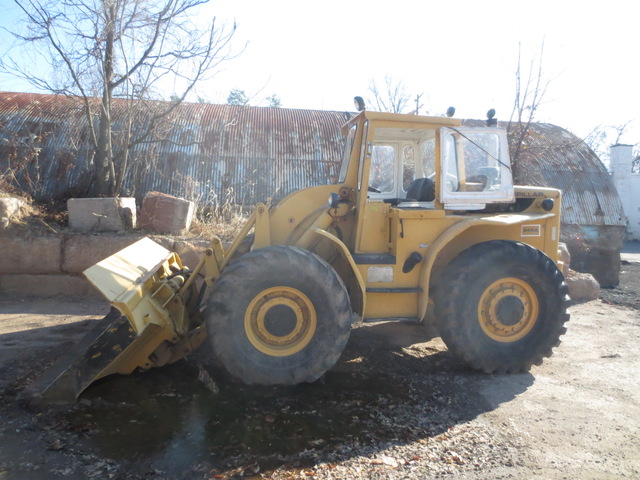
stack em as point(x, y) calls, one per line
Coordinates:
point(279, 315)
point(503, 307)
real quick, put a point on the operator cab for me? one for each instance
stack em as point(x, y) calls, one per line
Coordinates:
point(463, 168)
point(403, 167)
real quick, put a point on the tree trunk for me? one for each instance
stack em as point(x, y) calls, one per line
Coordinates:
point(103, 160)
point(103, 156)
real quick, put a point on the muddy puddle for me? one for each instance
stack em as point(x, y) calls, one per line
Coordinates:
point(172, 421)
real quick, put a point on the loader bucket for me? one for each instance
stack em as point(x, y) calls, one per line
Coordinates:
point(148, 325)
point(87, 361)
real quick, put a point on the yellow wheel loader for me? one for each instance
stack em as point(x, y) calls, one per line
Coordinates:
point(422, 224)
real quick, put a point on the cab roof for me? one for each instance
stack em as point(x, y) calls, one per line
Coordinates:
point(386, 117)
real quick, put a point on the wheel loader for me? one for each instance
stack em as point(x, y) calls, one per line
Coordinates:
point(422, 223)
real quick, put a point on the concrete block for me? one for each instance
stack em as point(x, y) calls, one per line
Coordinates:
point(83, 251)
point(30, 254)
point(47, 285)
point(9, 207)
point(166, 214)
point(191, 251)
point(102, 214)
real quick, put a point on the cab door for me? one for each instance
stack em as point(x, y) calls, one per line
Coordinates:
point(392, 160)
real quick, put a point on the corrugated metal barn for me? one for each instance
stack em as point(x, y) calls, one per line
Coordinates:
point(204, 152)
point(210, 153)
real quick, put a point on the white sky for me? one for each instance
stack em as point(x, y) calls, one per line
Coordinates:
point(319, 55)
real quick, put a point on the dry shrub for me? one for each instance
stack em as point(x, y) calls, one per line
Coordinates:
point(225, 224)
point(34, 217)
point(223, 218)
point(216, 214)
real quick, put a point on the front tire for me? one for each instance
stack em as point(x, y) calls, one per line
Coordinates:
point(279, 315)
point(503, 308)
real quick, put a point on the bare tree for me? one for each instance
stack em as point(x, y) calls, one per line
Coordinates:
point(132, 49)
point(530, 91)
point(393, 97)
point(604, 136)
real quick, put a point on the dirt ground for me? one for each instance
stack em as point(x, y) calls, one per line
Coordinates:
point(397, 405)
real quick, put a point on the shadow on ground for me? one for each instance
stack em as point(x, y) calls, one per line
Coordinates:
point(394, 384)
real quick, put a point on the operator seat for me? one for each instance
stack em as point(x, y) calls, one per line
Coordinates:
point(422, 190)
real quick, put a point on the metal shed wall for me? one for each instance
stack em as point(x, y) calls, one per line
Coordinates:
point(206, 153)
point(243, 154)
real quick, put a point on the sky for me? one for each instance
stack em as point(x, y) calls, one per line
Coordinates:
point(319, 55)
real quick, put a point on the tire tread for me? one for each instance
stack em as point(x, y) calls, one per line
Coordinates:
point(458, 277)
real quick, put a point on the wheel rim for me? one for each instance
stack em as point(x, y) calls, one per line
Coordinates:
point(280, 321)
point(508, 309)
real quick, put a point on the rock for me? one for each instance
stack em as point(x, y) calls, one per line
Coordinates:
point(9, 207)
point(162, 213)
point(102, 214)
point(595, 249)
point(565, 256)
point(582, 286)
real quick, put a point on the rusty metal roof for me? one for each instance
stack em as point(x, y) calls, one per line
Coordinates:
point(217, 153)
point(209, 153)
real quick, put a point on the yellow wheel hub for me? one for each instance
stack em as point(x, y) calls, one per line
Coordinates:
point(508, 309)
point(280, 321)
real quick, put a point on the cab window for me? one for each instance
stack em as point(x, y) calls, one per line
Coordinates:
point(475, 167)
point(344, 167)
point(382, 175)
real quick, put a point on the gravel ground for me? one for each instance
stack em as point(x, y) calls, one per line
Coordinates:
point(397, 406)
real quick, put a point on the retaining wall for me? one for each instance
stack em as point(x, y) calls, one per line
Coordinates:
point(53, 264)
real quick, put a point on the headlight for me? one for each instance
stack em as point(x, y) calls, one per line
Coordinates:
point(547, 204)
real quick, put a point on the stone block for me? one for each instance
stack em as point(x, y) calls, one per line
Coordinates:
point(102, 214)
point(582, 286)
point(83, 251)
point(9, 207)
point(47, 285)
point(30, 254)
point(166, 214)
point(595, 249)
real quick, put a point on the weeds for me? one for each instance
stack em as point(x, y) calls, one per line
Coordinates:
point(33, 217)
point(219, 215)
point(225, 221)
